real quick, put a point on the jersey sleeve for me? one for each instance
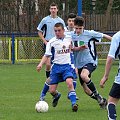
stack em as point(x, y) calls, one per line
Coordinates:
point(41, 24)
point(96, 35)
point(114, 47)
point(48, 49)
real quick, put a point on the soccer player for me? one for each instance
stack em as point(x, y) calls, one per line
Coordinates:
point(68, 30)
point(46, 32)
point(70, 22)
point(60, 48)
point(114, 94)
point(86, 58)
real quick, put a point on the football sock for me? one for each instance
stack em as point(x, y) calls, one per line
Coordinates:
point(111, 111)
point(93, 96)
point(92, 87)
point(74, 83)
point(47, 74)
point(45, 89)
point(72, 96)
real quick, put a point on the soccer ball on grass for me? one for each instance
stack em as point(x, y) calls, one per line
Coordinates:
point(41, 106)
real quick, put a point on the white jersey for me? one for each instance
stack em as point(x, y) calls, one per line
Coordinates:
point(114, 52)
point(60, 50)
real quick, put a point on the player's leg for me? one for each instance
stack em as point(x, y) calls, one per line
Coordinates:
point(88, 91)
point(45, 89)
point(72, 94)
point(85, 77)
point(113, 99)
point(55, 78)
point(75, 72)
point(83, 84)
point(74, 81)
point(85, 87)
point(84, 74)
point(56, 95)
point(48, 67)
point(68, 77)
point(74, 85)
point(111, 108)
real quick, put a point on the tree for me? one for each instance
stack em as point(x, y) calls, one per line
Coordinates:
point(107, 15)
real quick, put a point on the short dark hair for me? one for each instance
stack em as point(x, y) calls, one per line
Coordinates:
point(71, 15)
point(53, 4)
point(79, 21)
point(59, 25)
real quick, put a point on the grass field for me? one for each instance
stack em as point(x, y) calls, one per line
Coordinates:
point(20, 86)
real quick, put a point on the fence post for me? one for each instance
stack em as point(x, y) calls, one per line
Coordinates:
point(13, 48)
point(79, 7)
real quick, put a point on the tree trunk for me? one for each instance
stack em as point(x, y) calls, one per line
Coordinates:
point(107, 16)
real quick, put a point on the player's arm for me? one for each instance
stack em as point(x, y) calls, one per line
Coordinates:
point(43, 60)
point(42, 37)
point(111, 56)
point(99, 35)
point(41, 29)
point(79, 48)
point(107, 37)
point(45, 57)
point(107, 71)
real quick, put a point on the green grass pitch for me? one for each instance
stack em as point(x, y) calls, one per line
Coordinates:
point(20, 86)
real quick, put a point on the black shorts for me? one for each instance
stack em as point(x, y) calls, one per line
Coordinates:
point(115, 91)
point(90, 67)
point(44, 48)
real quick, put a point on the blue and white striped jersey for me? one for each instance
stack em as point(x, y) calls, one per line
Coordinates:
point(83, 57)
point(47, 26)
point(60, 50)
point(114, 52)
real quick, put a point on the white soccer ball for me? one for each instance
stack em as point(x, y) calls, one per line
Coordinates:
point(41, 106)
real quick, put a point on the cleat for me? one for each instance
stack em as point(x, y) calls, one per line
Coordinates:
point(102, 101)
point(55, 99)
point(103, 105)
point(75, 107)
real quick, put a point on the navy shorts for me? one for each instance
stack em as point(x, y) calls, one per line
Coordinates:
point(115, 91)
point(59, 73)
point(44, 48)
point(90, 67)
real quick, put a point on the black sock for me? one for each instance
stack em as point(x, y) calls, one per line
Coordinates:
point(93, 96)
point(47, 74)
point(92, 87)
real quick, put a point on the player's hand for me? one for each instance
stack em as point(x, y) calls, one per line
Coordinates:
point(102, 82)
point(39, 67)
point(45, 42)
point(70, 47)
point(83, 47)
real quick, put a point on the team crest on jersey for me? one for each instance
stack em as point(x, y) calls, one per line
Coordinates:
point(64, 50)
point(64, 47)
